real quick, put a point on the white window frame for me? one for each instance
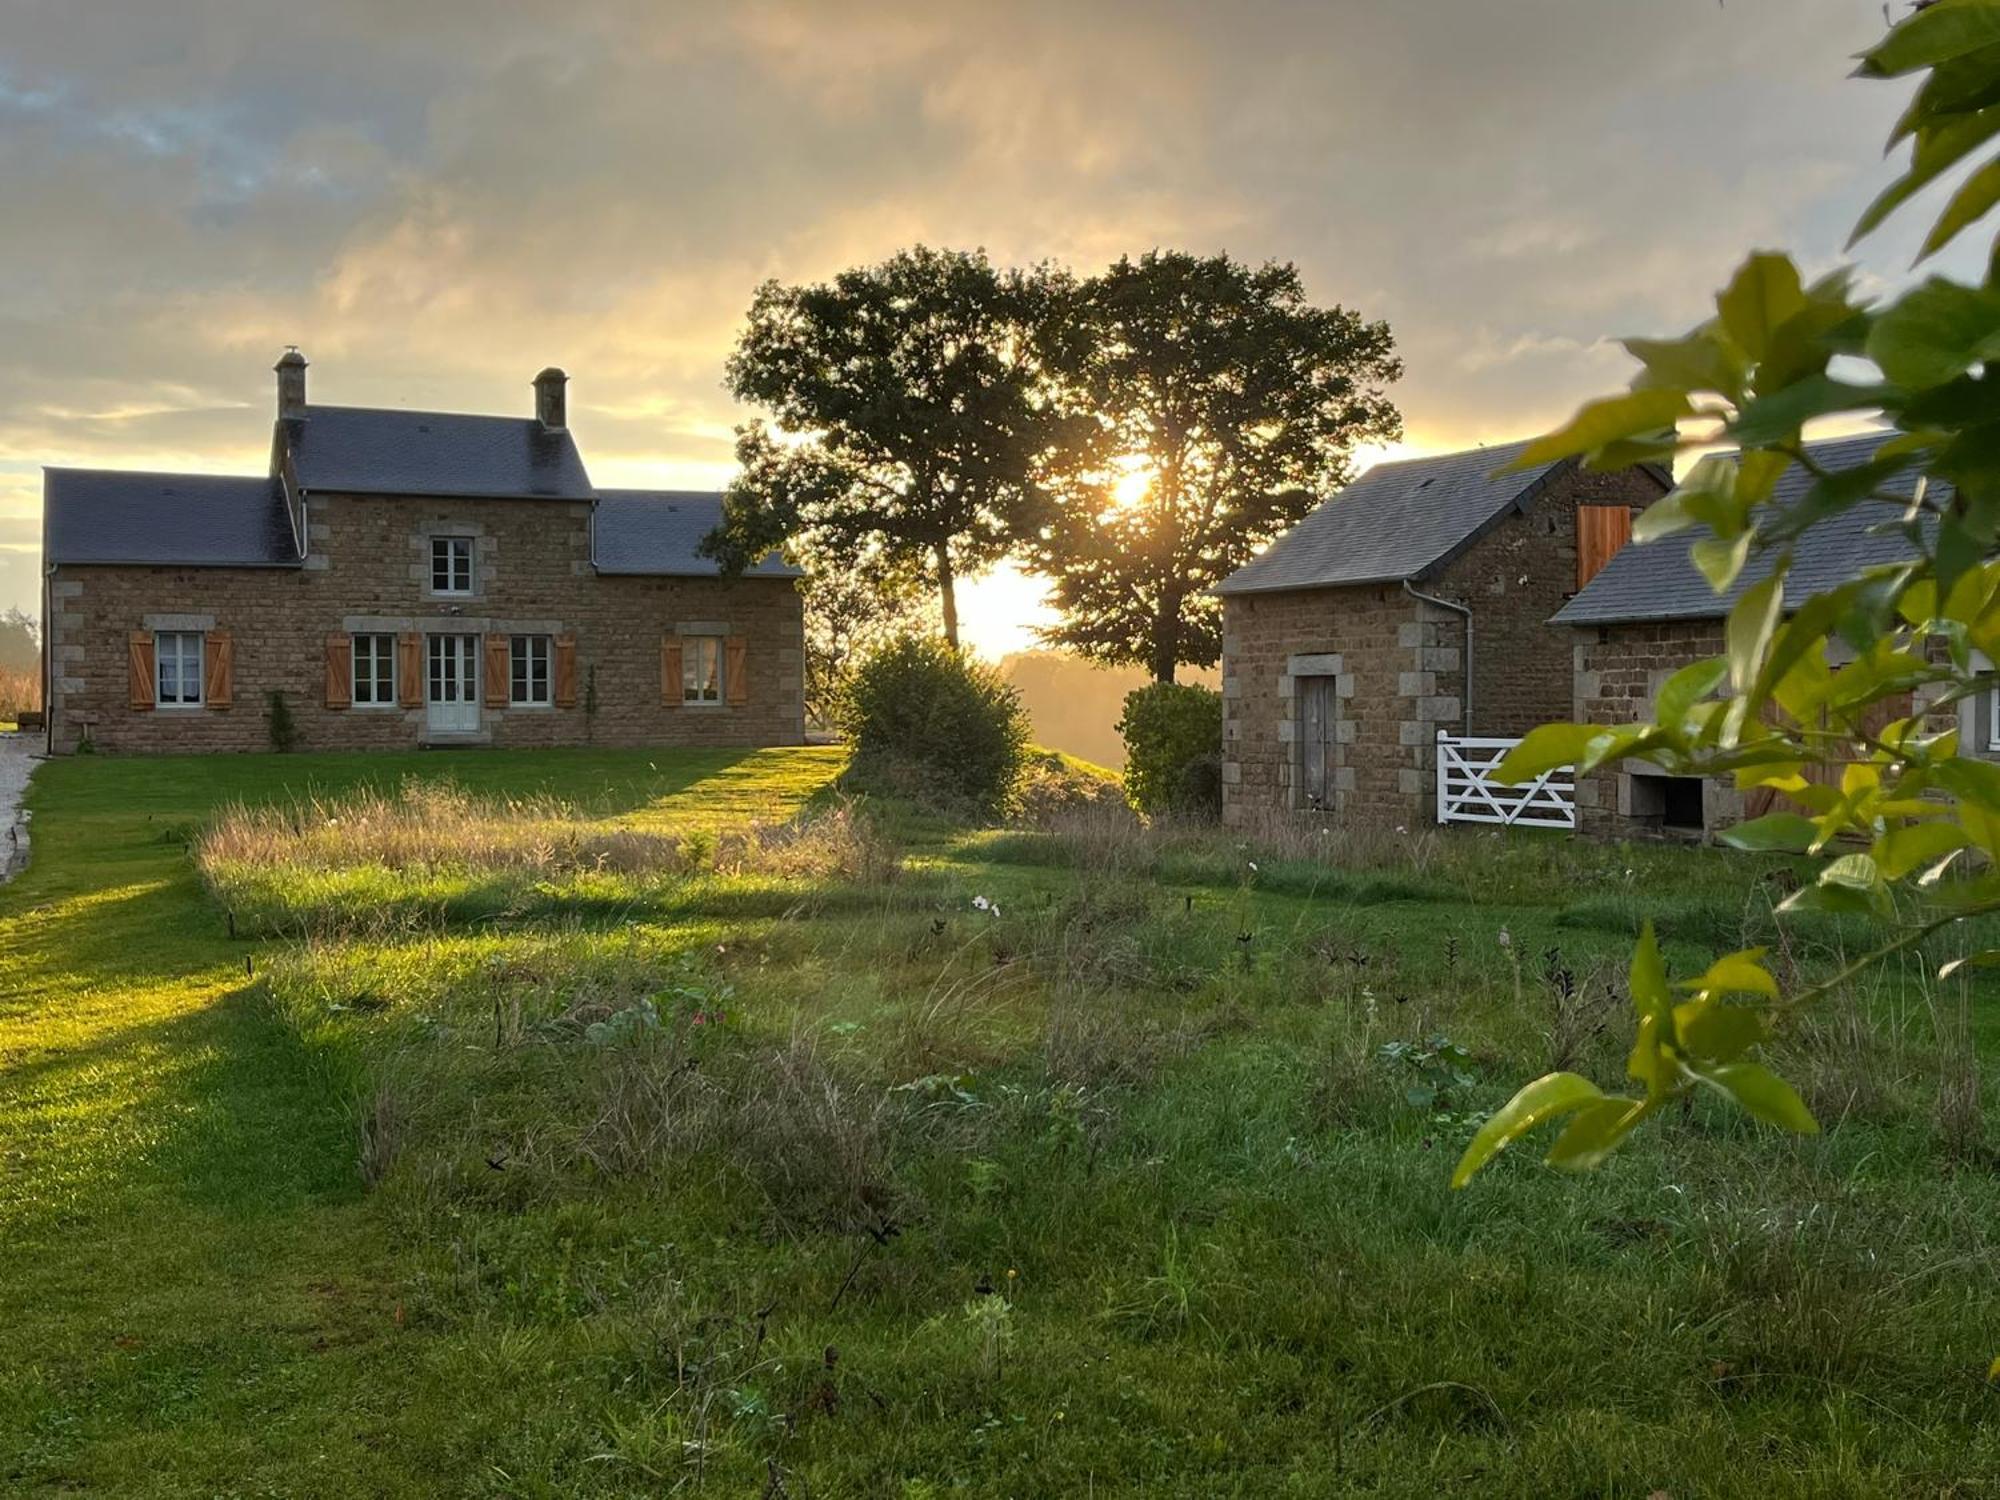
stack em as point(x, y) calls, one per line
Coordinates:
point(379, 651)
point(448, 551)
point(176, 644)
point(694, 649)
point(528, 655)
point(1993, 719)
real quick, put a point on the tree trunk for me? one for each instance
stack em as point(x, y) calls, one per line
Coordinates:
point(1166, 636)
point(947, 594)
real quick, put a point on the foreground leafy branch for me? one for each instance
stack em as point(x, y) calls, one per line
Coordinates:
point(1843, 700)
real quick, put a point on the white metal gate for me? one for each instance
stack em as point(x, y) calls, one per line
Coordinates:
point(1467, 792)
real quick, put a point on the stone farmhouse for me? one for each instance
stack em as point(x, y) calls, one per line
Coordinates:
point(1417, 600)
point(1648, 612)
point(400, 579)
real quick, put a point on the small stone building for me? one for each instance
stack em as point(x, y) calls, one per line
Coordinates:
point(404, 578)
point(1649, 612)
point(1417, 600)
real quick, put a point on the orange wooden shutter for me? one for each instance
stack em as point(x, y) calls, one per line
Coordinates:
point(144, 684)
point(565, 671)
point(1600, 531)
point(410, 670)
point(735, 687)
point(219, 691)
point(497, 647)
point(670, 671)
point(339, 670)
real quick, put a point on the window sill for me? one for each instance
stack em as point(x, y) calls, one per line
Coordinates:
point(531, 708)
point(178, 708)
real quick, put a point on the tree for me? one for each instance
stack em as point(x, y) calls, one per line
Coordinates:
point(1908, 831)
point(20, 641)
point(906, 418)
point(1221, 408)
point(852, 611)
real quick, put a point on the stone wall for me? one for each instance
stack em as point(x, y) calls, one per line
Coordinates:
point(1400, 662)
point(1397, 669)
point(1619, 670)
point(1514, 579)
point(369, 572)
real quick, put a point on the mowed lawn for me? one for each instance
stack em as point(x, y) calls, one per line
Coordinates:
point(584, 1127)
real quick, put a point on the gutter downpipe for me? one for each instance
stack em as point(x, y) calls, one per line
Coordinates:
point(1465, 612)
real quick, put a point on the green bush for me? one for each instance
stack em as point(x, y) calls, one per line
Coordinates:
point(1055, 789)
point(931, 723)
point(1173, 749)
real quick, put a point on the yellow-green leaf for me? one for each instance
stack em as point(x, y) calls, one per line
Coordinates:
point(1737, 973)
point(1774, 832)
point(1765, 1095)
point(1717, 1032)
point(1595, 1131)
point(1547, 1098)
point(1634, 414)
point(1974, 198)
point(1765, 291)
point(1750, 626)
point(1903, 849)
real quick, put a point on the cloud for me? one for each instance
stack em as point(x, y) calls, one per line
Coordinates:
point(436, 200)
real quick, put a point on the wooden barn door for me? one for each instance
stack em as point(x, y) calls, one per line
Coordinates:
point(1316, 719)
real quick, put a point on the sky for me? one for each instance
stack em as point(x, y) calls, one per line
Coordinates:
point(436, 199)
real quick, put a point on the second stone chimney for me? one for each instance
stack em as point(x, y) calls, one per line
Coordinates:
point(551, 409)
point(291, 368)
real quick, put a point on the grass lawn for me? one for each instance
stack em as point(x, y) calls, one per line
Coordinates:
point(568, 1134)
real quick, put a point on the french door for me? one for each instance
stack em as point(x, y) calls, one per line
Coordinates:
point(452, 695)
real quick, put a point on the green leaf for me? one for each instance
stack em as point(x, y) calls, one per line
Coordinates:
point(1934, 332)
point(1595, 1131)
point(1780, 416)
point(1986, 959)
point(1549, 746)
point(1973, 200)
point(1547, 1098)
point(1765, 1095)
point(1737, 973)
point(1934, 35)
point(1937, 149)
point(1721, 561)
point(1903, 849)
point(1716, 1031)
point(1765, 291)
point(1779, 832)
point(1634, 414)
point(1687, 687)
point(1751, 624)
point(1699, 362)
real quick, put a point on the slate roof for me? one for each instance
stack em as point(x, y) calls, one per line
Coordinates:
point(1658, 581)
point(370, 451)
point(660, 532)
point(203, 520)
point(1397, 521)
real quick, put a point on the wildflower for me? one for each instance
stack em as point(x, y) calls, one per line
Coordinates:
point(1253, 867)
point(980, 903)
point(1506, 938)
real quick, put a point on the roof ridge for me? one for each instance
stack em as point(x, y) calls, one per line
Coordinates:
point(409, 411)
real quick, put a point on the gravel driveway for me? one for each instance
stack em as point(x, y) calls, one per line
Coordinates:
point(16, 762)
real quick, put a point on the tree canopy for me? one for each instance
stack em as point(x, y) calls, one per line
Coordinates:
point(904, 422)
point(1217, 407)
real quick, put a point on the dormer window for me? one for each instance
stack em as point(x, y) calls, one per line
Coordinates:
point(451, 565)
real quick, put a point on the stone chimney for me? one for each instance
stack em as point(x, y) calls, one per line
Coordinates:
point(291, 368)
point(551, 410)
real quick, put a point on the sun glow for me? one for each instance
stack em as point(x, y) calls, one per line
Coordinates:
point(1134, 482)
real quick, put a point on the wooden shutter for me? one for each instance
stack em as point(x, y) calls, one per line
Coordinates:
point(410, 670)
point(565, 671)
point(670, 671)
point(497, 648)
point(144, 683)
point(219, 691)
point(735, 686)
point(339, 670)
point(1600, 531)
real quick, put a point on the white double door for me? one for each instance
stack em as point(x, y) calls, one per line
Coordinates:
point(452, 677)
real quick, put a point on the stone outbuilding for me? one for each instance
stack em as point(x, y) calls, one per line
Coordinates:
point(1649, 612)
point(404, 578)
point(1419, 599)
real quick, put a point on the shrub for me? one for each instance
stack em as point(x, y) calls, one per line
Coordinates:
point(927, 721)
point(1056, 791)
point(284, 728)
point(1173, 749)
